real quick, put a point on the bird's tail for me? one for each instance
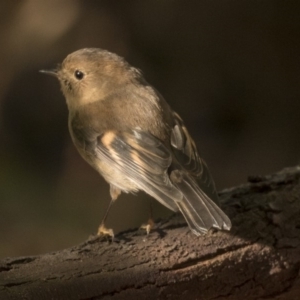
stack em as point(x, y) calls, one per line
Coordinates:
point(200, 211)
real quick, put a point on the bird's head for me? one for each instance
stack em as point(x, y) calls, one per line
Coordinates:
point(90, 74)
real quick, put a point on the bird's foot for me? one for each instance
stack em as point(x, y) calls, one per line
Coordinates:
point(150, 224)
point(102, 230)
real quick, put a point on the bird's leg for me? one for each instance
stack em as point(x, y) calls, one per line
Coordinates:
point(102, 230)
point(150, 223)
point(114, 193)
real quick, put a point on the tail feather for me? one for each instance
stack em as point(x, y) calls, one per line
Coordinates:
point(200, 212)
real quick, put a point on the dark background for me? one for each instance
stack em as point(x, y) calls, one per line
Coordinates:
point(230, 68)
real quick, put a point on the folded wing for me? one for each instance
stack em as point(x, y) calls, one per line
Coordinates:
point(145, 160)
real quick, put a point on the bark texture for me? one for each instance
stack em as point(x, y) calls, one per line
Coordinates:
point(258, 259)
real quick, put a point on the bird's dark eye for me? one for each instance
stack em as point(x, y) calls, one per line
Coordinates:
point(78, 74)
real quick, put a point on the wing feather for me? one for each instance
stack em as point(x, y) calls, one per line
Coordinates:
point(145, 161)
point(187, 156)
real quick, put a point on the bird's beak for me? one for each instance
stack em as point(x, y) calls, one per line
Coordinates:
point(50, 72)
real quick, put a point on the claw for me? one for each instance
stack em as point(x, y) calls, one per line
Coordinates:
point(102, 230)
point(150, 224)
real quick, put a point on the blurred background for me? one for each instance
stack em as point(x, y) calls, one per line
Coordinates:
point(230, 68)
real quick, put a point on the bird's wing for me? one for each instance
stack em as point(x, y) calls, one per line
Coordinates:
point(191, 176)
point(143, 159)
point(200, 212)
point(187, 156)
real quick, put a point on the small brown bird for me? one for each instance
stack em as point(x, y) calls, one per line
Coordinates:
point(125, 129)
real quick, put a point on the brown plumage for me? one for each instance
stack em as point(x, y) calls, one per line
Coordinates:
point(125, 130)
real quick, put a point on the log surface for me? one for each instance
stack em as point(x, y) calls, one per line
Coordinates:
point(258, 259)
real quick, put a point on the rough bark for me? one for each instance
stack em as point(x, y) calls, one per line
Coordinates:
point(258, 259)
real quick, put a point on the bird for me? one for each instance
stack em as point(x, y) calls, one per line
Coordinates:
point(124, 128)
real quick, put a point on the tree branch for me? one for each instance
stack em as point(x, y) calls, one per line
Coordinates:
point(259, 258)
